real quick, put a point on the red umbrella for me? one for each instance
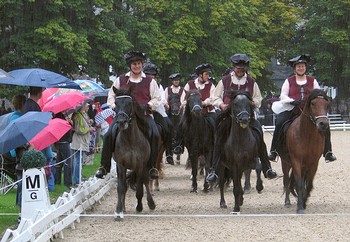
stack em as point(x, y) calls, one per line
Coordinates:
point(51, 133)
point(65, 102)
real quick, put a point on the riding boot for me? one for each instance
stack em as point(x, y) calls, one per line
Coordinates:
point(107, 150)
point(154, 137)
point(273, 150)
point(265, 163)
point(327, 153)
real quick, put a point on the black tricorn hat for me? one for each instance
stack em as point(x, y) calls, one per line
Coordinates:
point(175, 76)
point(203, 68)
point(134, 55)
point(150, 69)
point(239, 58)
point(299, 59)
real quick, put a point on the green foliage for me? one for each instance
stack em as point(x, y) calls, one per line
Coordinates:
point(32, 159)
point(176, 35)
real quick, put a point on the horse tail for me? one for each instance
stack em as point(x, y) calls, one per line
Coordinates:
point(292, 185)
point(131, 180)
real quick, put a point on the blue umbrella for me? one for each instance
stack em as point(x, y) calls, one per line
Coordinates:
point(37, 77)
point(21, 130)
point(5, 76)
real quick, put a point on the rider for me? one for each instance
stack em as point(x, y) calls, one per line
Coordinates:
point(174, 90)
point(163, 120)
point(206, 88)
point(146, 93)
point(295, 87)
point(238, 79)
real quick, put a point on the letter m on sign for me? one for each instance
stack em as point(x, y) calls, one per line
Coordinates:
point(33, 184)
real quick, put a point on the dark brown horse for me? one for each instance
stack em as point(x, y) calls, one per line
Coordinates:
point(303, 147)
point(238, 144)
point(131, 151)
point(198, 135)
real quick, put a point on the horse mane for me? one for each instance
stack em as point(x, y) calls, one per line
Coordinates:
point(138, 111)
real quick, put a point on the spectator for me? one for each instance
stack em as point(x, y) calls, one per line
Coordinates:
point(80, 140)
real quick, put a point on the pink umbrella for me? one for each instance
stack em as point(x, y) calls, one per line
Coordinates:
point(47, 95)
point(51, 133)
point(65, 102)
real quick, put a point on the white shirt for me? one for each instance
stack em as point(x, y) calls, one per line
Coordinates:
point(219, 91)
point(153, 89)
point(174, 89)
point(199, 86)
point(161, 109)
point(285, 87)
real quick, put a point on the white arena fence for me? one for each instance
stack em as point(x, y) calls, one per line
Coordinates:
point(336, 127)
point(43, 221)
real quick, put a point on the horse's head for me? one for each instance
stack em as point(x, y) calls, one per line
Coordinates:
point(194, 101)
point(316, 109)
point(123, 108)
point(174, 104)
point(241, 107)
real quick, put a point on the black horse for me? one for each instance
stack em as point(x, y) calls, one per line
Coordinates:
point(131, 151)
point(198, 135)
point(174, 114)
point(238, 144)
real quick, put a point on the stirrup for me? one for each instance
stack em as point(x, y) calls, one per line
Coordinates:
point(154, 176)
point(331, 158)
point(273, 156)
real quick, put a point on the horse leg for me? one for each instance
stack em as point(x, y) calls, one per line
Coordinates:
point(286, 181)
point(178, 157)
point(259, 183)
point(121, 191)
point(247, 186)
point(237, 191)
point(222, 185)
point(150, 201)
point(194, 163)
point(300, 187)
point(139, 193)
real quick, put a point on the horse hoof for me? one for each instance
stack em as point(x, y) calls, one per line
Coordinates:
point(236, 213)
point(287, 205)
point(139, 208)
point(300, 211)
point(223, 206)
point(194, 191)
point(247, 190)
point(152, 205)
point(118, 217)
point(259, 188)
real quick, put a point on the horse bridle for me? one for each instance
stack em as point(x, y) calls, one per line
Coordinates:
point(314, 118)
point(122, 113)
point(236, 117)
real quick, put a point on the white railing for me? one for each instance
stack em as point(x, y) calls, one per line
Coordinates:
point(336, 127)
point(43, 226)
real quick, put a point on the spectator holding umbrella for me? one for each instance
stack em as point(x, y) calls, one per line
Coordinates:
point(31, 104)
point(63, 159)
point(80, 140)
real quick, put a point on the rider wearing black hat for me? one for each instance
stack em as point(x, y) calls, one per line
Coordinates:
point(205, 87)
point(146, 94)
point(238, 79)
point(296, 87)
point(160, 115)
